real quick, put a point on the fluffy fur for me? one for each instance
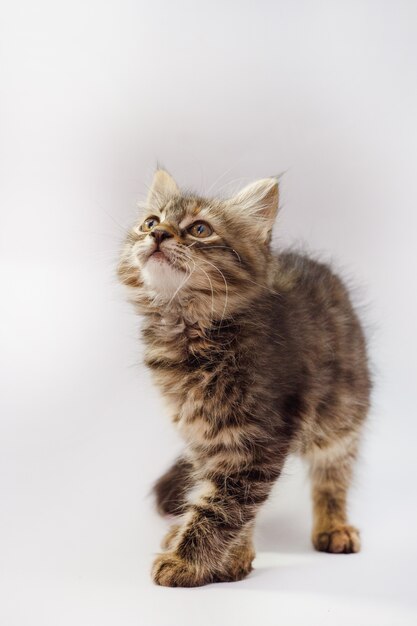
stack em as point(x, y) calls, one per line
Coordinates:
point(259, 355)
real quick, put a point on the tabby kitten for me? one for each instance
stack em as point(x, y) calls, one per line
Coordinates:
point(258, 355)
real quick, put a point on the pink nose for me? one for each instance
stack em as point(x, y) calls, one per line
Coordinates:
point(159, 234)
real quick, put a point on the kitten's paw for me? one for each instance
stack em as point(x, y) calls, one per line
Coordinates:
point(233, 572)
point(340, 540)
point(239, 564)
point(169, 570)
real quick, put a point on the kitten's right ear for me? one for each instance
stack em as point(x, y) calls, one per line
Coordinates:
point(258, 202)
point(163, 187)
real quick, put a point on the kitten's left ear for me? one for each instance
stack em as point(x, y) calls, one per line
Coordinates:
point(259, 202)
point(163, 187)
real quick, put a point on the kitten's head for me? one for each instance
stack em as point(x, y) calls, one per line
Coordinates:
point(185, 249)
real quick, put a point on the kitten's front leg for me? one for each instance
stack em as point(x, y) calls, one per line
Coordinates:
point(214, 541)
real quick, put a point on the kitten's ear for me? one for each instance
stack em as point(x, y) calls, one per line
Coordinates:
point(162, 188)
point(259, 202)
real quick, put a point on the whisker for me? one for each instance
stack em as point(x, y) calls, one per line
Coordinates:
point(275, 293)
point(208, 278)
point(188, 276)
point(226, 287)
point(219, 179)
point(122, 228)
point(206, 248)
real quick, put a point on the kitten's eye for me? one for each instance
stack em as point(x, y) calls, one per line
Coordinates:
point(200, 229)
point(150, 223)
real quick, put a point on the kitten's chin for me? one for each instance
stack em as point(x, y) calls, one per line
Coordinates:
point(162, 277)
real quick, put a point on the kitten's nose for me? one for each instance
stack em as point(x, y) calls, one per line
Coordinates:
point(160, 233)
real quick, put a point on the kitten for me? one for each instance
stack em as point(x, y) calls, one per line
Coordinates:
point(259, 355)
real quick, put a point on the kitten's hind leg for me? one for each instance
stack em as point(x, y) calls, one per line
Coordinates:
point(171, 489)
point(331, 474)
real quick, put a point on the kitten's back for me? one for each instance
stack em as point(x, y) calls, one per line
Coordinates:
point(321, 352)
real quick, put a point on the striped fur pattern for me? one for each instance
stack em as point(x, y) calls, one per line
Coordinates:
point(258, 355)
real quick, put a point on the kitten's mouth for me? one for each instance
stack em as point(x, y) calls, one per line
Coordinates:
point(163, 257)
point(158, 255)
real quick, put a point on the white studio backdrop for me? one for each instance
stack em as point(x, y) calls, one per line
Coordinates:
point(92, 95)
